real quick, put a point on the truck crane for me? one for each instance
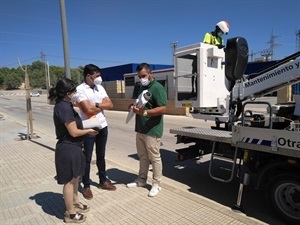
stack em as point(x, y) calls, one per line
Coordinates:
point(263, 148)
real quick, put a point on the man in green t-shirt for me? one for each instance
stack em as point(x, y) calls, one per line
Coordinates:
point(149, 129)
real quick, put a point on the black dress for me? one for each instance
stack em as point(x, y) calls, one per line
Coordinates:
point(69, 158)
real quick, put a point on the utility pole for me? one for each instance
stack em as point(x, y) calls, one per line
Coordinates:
point(48, 75)
point(272, 46)
point(28, 104)
point(43, 56)
point(65, 38)
point(267, 54)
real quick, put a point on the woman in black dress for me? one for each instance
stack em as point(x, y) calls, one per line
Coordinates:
point(69, 158)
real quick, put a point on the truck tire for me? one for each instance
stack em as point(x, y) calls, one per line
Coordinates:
point(284, 195)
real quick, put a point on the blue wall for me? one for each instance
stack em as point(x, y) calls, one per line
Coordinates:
point(296, 89)
point(117, 72)
point(255, 66)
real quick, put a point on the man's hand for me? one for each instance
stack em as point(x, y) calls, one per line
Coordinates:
point(130, 107)
point(138, 111)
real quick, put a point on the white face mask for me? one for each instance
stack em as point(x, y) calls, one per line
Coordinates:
point(98, 81)
point(220, 34)
point(74, 97)
point(145, 81)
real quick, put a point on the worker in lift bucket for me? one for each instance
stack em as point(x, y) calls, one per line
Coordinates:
point(212, 38)
point(215, 37)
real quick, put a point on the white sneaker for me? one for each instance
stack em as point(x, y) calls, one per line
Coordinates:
point(154, 190)
point(136, 184)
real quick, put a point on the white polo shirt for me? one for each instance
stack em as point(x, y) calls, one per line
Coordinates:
point(93, 95)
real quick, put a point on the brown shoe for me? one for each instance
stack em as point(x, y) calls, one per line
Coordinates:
point(87, 193)
point(108, 186)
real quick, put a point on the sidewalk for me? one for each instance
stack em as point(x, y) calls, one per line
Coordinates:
point(29, 193)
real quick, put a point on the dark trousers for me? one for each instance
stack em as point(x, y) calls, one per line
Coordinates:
point(100, 139)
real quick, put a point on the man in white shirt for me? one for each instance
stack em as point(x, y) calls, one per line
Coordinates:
point(92, 100)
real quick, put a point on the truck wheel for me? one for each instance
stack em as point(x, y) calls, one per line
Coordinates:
point(284, 194)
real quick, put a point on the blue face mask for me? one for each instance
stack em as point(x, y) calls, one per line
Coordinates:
point(220, 34)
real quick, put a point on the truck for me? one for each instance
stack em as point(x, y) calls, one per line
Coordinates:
point(259, 140)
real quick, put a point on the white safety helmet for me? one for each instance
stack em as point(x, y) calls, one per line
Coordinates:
point(224, 26)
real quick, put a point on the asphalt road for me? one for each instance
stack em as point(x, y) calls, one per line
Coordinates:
point(191, 175)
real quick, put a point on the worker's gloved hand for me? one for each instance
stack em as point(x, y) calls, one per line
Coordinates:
point(220, 46)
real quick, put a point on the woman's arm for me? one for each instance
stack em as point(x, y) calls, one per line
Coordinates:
point(75, 132)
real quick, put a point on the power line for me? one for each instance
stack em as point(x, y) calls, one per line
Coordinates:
point(72, 58)
point(24, 60)
point(27, 43)
point(24, 34)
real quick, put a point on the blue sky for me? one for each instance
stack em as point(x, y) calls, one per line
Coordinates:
point(115, 32)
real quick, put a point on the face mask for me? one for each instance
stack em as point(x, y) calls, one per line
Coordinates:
point(145, 81)
point(74, 97)
point(98, 81)
point(220, 34)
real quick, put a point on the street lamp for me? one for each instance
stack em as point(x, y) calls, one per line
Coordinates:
point(173, 46)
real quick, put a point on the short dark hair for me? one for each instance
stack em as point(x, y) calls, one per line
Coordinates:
point(61, 88)
point(90, 69)
point(143, 66)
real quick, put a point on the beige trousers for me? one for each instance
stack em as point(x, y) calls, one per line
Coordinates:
point(148, 151)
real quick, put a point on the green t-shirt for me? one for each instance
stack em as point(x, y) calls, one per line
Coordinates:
point(213, 40)
point(152, 125)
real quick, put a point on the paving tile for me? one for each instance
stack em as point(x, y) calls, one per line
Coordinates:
point(29, 194)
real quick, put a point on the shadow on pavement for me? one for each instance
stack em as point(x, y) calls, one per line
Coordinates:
point(51, 203)
point(134, 156)
point(120, 176)
point(123, 177)
point(195, 174)
point(44, 146)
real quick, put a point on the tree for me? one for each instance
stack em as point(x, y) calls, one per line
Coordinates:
point(37, 65)
point(37, 80)
point(12, 81)
point(4, 72)
point(36, 73)
point(77, 75)
point(1, 80)
point(56, 73)
point(12, 78)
